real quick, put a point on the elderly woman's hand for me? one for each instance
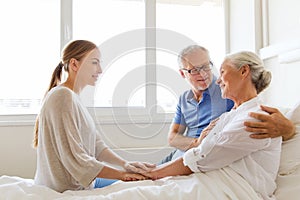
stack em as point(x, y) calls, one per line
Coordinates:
point(204, 133)
point(273, 125)
point(138, 167)
point(127, 176)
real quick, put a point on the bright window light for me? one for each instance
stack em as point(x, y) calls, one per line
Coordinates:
point(106, 23)
point(30, 50)
point(200, 21)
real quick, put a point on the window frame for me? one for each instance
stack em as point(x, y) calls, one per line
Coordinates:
point(108, 115)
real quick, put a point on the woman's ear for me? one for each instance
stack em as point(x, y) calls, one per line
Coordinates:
point(74, 64)
point(245, 70)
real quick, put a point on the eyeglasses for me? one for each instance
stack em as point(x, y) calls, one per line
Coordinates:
point(197, 70)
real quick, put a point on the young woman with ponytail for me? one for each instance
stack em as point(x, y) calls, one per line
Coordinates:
point(69, 149)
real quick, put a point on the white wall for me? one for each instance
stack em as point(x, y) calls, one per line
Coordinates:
point(267, 27)
point(18, 158)
point(283, 31)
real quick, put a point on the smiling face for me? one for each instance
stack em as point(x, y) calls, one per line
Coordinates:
point(89, 69)
point(203, 79)
point(230, 80)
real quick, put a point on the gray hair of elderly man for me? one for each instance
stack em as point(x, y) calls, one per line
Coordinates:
point(190, 49)
point(187, 51)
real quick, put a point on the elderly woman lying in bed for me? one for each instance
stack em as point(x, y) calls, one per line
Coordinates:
point(225, 142)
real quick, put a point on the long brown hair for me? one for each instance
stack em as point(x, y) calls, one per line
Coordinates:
point(77, 49)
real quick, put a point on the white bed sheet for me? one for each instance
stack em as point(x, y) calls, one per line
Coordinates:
point(218, 184)
point(223, 184)
point(288, 186)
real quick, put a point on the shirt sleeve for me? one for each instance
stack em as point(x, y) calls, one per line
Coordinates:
point(100, 145)
point(223, 146)
point(179, 118)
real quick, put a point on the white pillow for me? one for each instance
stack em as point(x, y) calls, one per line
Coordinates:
point(290, 155)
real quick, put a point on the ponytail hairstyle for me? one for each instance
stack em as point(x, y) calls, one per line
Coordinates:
point(77, 49)
point(56, 76)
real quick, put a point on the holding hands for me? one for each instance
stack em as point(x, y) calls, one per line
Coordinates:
point(137, 170)
point(129, 176)
point(133, 171)
point(138, 167)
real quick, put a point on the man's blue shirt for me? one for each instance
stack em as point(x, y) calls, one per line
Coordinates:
point(197, 115)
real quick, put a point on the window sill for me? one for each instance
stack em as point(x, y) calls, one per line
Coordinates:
point(101, 116)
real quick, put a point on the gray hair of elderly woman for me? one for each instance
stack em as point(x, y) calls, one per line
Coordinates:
point(260, 77)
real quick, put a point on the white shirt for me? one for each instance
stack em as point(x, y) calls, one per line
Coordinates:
point(228, 144)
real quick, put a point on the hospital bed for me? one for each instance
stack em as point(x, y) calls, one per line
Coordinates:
point(217, 184)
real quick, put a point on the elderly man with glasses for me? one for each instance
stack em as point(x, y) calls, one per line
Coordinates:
point(203, 103)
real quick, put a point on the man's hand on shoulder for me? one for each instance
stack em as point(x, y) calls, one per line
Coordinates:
point(273, 125)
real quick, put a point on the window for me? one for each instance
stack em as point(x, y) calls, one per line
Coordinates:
point(108, 23)
point(200, 22)
point(29, 50)
point(140, 64)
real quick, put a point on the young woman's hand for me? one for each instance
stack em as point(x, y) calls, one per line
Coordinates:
point(138, 167)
